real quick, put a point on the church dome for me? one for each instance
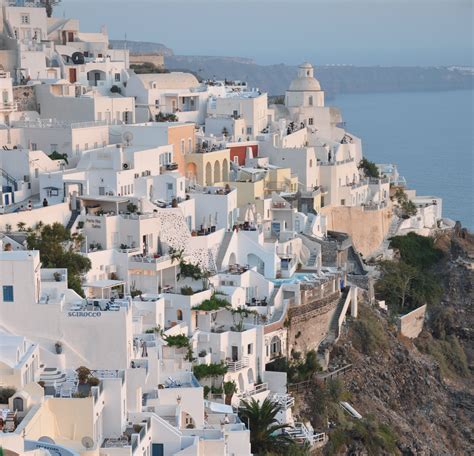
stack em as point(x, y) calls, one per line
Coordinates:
point(305, 81)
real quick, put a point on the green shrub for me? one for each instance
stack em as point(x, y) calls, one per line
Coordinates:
point(178, 341)
point(213, 303)
point(209, 370)
point(187, 291)
point(417, 251)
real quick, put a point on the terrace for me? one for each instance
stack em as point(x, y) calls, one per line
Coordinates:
point(99, 305)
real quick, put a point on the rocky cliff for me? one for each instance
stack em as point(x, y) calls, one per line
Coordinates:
point(415, 396)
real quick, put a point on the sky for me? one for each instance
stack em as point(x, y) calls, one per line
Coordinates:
point(357, 32)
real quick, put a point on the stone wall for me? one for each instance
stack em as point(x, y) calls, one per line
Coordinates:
point(366, 228)
point(310, 324)
point(25, 97)
point(411, 324)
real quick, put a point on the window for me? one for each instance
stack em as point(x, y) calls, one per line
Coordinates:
point(190, 145)
point(54, 148)
point(236, 159)
point(310, 100)
point(249, 349)
point(96, 145)
point(157, 103)
point(169, 186)
point(117, 77)
point(78, 148)
point(249, 130)
point(25, 18)
point(36, 173)
point(311, 163)
point(182, 146)
point(86, 146)
point(310, 121)
point(34, 146)
point(7, 293)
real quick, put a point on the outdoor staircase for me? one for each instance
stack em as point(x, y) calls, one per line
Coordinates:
point(223, 249)
point(312, 260)
point(334, 324)
point(9, 179)
point(72, 219)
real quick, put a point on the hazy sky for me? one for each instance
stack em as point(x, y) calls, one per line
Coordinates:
point(360, 32)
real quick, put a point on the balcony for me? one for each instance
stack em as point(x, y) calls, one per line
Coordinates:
point(235, 366)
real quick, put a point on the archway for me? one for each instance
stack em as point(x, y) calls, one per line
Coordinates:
point(241, 383)
point(191, 172)
point(94, 76)
point(179, 315)
point(217, 172)
point(232, 258)
point(208, 174)
point(254, 261)
point(250, 376)
point(225, 170)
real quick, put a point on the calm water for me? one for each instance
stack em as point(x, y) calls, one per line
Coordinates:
point(428, 134)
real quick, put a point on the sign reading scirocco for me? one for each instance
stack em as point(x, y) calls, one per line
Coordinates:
point(81, 313)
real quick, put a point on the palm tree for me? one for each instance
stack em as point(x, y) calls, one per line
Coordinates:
point(21, 226)
point(265, 431)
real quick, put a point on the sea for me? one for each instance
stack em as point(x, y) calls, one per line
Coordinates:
point(429, 135)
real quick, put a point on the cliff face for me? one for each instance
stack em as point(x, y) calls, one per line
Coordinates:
point(422, 388)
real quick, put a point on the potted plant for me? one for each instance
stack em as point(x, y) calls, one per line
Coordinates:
point(59, 347)
point(83, 374)
point(229, 389)
point(57, 276)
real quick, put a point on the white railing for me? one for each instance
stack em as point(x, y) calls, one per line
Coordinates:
point(234, 366)
point(258, 389)
point(286, 401)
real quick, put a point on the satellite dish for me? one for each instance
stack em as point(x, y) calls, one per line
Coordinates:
point(127, 137)
point(87, 442)
point(46, 439)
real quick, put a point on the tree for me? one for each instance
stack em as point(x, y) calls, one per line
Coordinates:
point(395, 283)
point(49, 4)
point(265, 431)
point(230, 388)
point(57, 250)
point(370, 169)
point(57, 156)
point(407, 206)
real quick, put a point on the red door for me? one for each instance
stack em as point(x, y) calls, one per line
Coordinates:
point(72, 75)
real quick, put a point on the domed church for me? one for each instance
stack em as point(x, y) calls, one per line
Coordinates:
point(304, 91)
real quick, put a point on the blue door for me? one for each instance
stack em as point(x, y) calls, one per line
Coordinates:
point(157, 449)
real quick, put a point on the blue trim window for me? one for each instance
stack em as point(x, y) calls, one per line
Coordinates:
point(8, 293)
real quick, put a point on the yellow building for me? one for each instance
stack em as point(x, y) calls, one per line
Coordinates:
point(280, 180)
point(208, 168)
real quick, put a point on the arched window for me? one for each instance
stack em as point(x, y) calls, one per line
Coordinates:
point(179, 315)
point(310, 100)
point(18, 404)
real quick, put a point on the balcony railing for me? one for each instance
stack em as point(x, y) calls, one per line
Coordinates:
point(235, 366)
point(258, 389)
